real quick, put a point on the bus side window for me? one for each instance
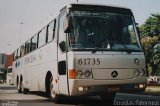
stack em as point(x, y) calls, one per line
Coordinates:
point(62, 34)
point(33, 43)
point(27, 47)
point(18, 53)
point(51, 31)
point(42, 37)
point(22, 51)
point(15, 54)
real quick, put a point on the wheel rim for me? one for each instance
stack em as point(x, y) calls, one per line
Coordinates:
point(52, 92)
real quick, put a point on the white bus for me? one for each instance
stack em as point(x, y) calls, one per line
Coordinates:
point(88, 49)
point(9, 76)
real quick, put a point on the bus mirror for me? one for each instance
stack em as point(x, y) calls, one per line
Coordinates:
point(138, 31)
point(66, 25)
point(62, 45)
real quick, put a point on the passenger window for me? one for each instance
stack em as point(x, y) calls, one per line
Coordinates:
point(62, 35)
point(27, 47)
point(15, 55)
point(34, 43)
point(22, 52)
point(18, 53)
point(51, 31)
point(42, 37)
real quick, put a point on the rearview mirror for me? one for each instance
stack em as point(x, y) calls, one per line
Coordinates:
point(66, 25)
point(62, 45)
point(138, 31)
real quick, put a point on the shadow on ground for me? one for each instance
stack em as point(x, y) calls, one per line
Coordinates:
point(77, 101)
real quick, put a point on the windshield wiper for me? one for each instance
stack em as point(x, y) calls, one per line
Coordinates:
point(126, 49)
point(95, 50)
point(98, 46)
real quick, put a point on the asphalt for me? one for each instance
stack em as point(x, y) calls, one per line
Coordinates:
point(9, 93)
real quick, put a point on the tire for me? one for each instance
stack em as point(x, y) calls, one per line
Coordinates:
point(25, 91)
point(19, 87)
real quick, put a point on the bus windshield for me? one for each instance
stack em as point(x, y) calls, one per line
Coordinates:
point(102, 31)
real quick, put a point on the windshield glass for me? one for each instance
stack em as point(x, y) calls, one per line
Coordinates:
point(102, 31)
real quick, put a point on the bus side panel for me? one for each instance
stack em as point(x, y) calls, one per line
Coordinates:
point(35, 66)
point(46, 62)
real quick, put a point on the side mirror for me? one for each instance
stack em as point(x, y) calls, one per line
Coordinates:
point(66, 25)
point(62, 45)
point(138, 31)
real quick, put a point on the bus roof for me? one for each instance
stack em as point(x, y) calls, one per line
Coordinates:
point(100, 7)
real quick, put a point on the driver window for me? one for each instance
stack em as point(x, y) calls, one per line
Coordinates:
point(62, 34)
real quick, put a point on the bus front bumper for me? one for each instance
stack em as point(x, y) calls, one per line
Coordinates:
point(100, 87)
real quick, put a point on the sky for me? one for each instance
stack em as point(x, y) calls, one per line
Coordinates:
point(21, 19)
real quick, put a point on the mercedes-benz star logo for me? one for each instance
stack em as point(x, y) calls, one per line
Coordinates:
point(114, 74)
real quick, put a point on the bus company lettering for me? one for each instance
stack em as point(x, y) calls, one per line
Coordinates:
point(30, 59)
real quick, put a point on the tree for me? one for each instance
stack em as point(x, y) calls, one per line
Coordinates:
point(156, 59)
point(148, 44)
point(150, 32)
point(152, 26)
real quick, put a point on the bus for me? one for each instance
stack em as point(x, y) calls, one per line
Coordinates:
point(9, 76)
point(88, 49)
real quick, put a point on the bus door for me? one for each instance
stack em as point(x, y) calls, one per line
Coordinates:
point(62, 60)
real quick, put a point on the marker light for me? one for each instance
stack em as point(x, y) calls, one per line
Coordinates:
point(137, 72)
point(72, 74)
point(142, 72)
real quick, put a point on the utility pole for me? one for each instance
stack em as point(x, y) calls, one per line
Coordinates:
point(77, 0)
point(21, 32)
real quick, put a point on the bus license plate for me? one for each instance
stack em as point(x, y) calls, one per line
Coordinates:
point(113, 89)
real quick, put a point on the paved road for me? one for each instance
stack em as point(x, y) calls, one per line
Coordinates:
point(9, 95)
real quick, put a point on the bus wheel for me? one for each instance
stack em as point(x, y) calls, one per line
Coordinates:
point(19, 87)
point(24, 90)
point(109, 96)
point(53, 94)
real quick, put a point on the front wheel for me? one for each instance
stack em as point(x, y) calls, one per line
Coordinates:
point(25, 91)
point(53, 95)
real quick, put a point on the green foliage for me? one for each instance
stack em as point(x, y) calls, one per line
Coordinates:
point(150, 32)
point(152, 26)
point(156, 59)
point(156, 56)
point(147, 44)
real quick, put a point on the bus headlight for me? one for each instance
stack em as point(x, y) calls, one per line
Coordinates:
point(79, 74)
point(87, 73)
point(140, 72)
point(137, 72)
point(82, 74)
